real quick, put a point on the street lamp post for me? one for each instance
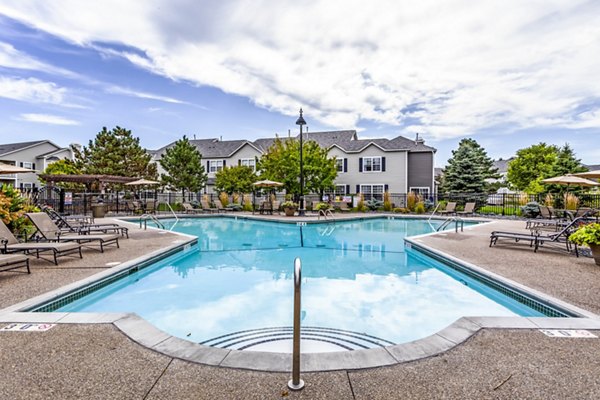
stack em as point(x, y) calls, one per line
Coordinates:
point(300, 121)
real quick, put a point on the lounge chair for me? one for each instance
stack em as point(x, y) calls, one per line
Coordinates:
point(450, 208)
point(266, 207)
point(83, 227)
point(276, 205)
point(9, 262)
point(189, 209)
point(469, 209)
point(10, 244)
point(536, 238)
point(207, 207)
point(52, 233)
point(220, 207)
point(150, 207)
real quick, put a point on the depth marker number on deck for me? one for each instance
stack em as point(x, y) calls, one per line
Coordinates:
point(27, 327)
point(568, 333)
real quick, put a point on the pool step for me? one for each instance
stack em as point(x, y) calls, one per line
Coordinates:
point(329, 339)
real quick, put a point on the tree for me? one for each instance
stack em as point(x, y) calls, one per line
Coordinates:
point(236, 179)
point(183, 163)
point(538, 162)
point(64, 167)
point(115, 152)
point(281, 163)
point(468, 168)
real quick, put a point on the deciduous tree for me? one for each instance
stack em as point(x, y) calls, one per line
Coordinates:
point(236, 179)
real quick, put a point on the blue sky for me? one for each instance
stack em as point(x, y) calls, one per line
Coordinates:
point(506, 73)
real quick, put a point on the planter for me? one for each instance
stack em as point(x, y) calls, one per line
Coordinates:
point(595, 252)
point(289, 211)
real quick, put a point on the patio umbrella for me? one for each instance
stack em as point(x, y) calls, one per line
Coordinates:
point(6, 169)
point(590, 174)
point(141, 182)
point(570, 180)
point(267, 183)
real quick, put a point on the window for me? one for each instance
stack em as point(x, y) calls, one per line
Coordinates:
point(372, 192)
point(215, 165)
point(27, 165)
point(248, 162)
point(421, 191)
point(339, 163)
point(372, 164)
point(340, 190)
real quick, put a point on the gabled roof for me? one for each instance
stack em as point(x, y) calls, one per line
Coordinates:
point(50, 153)
point(502, 165)
point(211, 148)
point(12, 147)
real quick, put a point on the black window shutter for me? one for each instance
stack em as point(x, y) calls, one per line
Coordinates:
point(359, 165)
point(386, 187)
point(224, 163)
point(347, 189)
point(207, 165)
point(382, 164)
point(33, 166)
point(33, 186)
point(357, 189)
point(345, 165)
point(21, 164)
point(239, 162)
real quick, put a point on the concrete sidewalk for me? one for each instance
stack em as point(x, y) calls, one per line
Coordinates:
point(74, 361)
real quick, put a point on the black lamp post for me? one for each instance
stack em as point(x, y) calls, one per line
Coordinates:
point(300, 121)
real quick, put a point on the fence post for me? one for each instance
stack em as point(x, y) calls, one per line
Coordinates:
point(503, 203)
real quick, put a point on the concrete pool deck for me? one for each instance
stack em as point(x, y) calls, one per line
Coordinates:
point(99, 361)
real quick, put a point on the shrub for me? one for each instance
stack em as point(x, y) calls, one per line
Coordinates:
point(420, 207)
point(411, 200)
point(571, 201)
point(549, 200)
point(387, 202)
point(224, 198)
point(13, 207)
point(322, 206)
point(235, 197)
point(373, 204)
point(247, 203)
point(401, 210)
point(289, 204)
point(360, 205)
point(530, 210)
point(523, 199)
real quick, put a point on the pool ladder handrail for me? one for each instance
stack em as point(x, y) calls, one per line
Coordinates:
point(449, 220)
point(296, 383)
point(144, 220)
point(325, 213)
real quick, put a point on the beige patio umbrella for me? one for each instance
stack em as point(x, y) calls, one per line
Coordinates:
point(267, 183)
point(590, 174)
point(141, 182)
point(570, 180)
point(6, 169)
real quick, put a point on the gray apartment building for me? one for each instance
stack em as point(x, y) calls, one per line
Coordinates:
point(368, 166)
point(36, 155)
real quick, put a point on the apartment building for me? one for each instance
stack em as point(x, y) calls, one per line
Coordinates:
point(368, 166)
point(36, 155)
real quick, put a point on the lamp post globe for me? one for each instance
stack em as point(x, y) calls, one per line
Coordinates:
point(301, 211)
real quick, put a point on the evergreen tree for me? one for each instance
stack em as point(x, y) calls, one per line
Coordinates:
point(183, 163)
point(115, 152)
point(236, 179)
point(468, 169)
point(567, 162)
point(281, 163)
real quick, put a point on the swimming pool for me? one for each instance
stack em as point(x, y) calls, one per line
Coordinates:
point(361, 287)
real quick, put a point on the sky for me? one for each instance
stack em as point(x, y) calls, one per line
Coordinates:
point(507, 73)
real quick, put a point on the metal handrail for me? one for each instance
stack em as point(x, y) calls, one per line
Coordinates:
point(170, 208)
point(296, 383)
point(145, 217)
point(324, 213)
point(449, 220)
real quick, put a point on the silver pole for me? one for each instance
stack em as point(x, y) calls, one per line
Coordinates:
point(296, 383)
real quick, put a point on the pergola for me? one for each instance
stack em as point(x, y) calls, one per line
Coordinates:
point(87, 178)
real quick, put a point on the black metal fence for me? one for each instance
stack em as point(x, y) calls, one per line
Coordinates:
point(72, 203)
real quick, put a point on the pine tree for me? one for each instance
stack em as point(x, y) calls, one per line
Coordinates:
point(567, 162)
point(468, 169)
point(183, 164)
point(115, 152)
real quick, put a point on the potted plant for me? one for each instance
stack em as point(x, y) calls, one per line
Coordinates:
point(289, 207)
point(588, 235)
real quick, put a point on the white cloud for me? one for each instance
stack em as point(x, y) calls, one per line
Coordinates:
point(31, 90)
point(47, 119)
point(13, 58)
point(445, 69)
point(142, 95)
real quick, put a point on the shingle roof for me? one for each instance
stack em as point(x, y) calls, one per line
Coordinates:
point(10, 147)
point(502, 165)
point(209, 148)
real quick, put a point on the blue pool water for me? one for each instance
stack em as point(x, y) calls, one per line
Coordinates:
point(356, 277)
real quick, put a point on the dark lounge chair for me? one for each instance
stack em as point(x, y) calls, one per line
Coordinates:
point(9, 262)
point(85, 228)
point(10, 244)
point(450, 208)
point(469, 209)
point(536, 238)
point(52, 233)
